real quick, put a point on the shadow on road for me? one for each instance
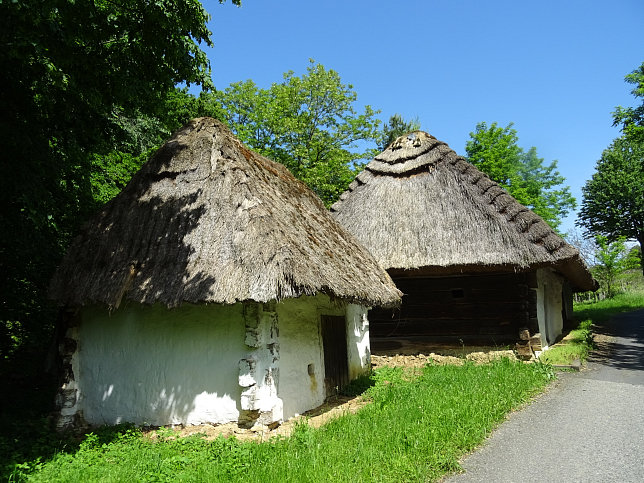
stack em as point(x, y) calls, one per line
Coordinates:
point(620, 342)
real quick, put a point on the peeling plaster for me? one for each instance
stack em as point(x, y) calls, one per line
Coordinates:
point(202, 364)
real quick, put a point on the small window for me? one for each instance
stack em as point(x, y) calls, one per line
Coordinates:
point(458, 293)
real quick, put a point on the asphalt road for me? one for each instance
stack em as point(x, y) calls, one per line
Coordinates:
point(589, 427)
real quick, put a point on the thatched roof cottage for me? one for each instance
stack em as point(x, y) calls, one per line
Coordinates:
point(471, 261)
point(216, 287)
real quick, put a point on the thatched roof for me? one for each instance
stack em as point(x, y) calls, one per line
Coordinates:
point(208, 220)
point(420, 206)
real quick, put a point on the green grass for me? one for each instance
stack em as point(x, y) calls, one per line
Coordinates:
point(414, 429)
point(605, 309)
point(577, 345)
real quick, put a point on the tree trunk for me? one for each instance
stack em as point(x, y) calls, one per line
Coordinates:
point(640, 239)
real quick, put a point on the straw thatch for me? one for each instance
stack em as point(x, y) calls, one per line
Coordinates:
point(418, 205)
point(207, 220)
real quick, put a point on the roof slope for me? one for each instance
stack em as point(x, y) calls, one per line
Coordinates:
point(207, 220)
point(420, 205)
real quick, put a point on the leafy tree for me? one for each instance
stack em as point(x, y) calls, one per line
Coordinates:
point(541, 188)
point(631, 119)
point(633, 258)
point(307, 123)
point(181, 107)
point(609, 258)
point(495, 151)
point(396, 127)
point(78, 78)
point(613, 199)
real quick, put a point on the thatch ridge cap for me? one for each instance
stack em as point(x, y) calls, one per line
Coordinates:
point(408, 146)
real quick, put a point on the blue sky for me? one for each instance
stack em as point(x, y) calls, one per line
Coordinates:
point(554, 68)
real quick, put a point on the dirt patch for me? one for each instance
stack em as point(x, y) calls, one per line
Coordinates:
point(332, 408)
point(421, 360)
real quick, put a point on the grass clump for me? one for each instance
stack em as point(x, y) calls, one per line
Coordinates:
point(576, 345)
point(414, 429)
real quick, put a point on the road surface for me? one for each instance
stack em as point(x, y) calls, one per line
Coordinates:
point(589, 427)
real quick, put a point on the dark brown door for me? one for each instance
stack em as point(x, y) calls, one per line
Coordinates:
point(334, 340)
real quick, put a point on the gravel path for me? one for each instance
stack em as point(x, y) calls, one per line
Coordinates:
point(589, 427)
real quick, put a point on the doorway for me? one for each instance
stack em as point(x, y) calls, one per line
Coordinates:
point(334, 342)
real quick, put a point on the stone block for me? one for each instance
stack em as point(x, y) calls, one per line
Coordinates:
point(535, 342)
point(248, 399)
point(523, 350)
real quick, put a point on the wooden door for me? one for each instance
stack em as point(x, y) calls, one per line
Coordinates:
point(334, 341)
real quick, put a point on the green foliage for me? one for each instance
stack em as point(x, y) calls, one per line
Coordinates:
point(396, 127)
point(613, 199)
point(81, 83)
point(609, 262)
point(112, 172)
point(415, 429)
point(631, 119)
point(495, 151)
point(538, 188)
point(181, 107)
point(307, 123)
point(633, 258)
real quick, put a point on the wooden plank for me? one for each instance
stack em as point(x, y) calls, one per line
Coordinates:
point(463, 310)
point(419, 327)
point(466, 282)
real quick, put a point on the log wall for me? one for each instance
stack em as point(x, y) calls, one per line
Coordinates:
point(485, 308)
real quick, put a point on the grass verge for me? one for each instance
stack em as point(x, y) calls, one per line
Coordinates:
point(414, 429)
point(579, 342)
point(603, 310)
point(576, 345)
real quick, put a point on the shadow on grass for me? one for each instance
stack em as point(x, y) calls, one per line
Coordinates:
point(359, 385)
point(28, 436)
point(27, 426)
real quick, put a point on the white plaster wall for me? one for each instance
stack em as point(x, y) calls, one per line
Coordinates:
point(301, 345)
point(549, 305)
point(151, 365)
point(358, 347)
